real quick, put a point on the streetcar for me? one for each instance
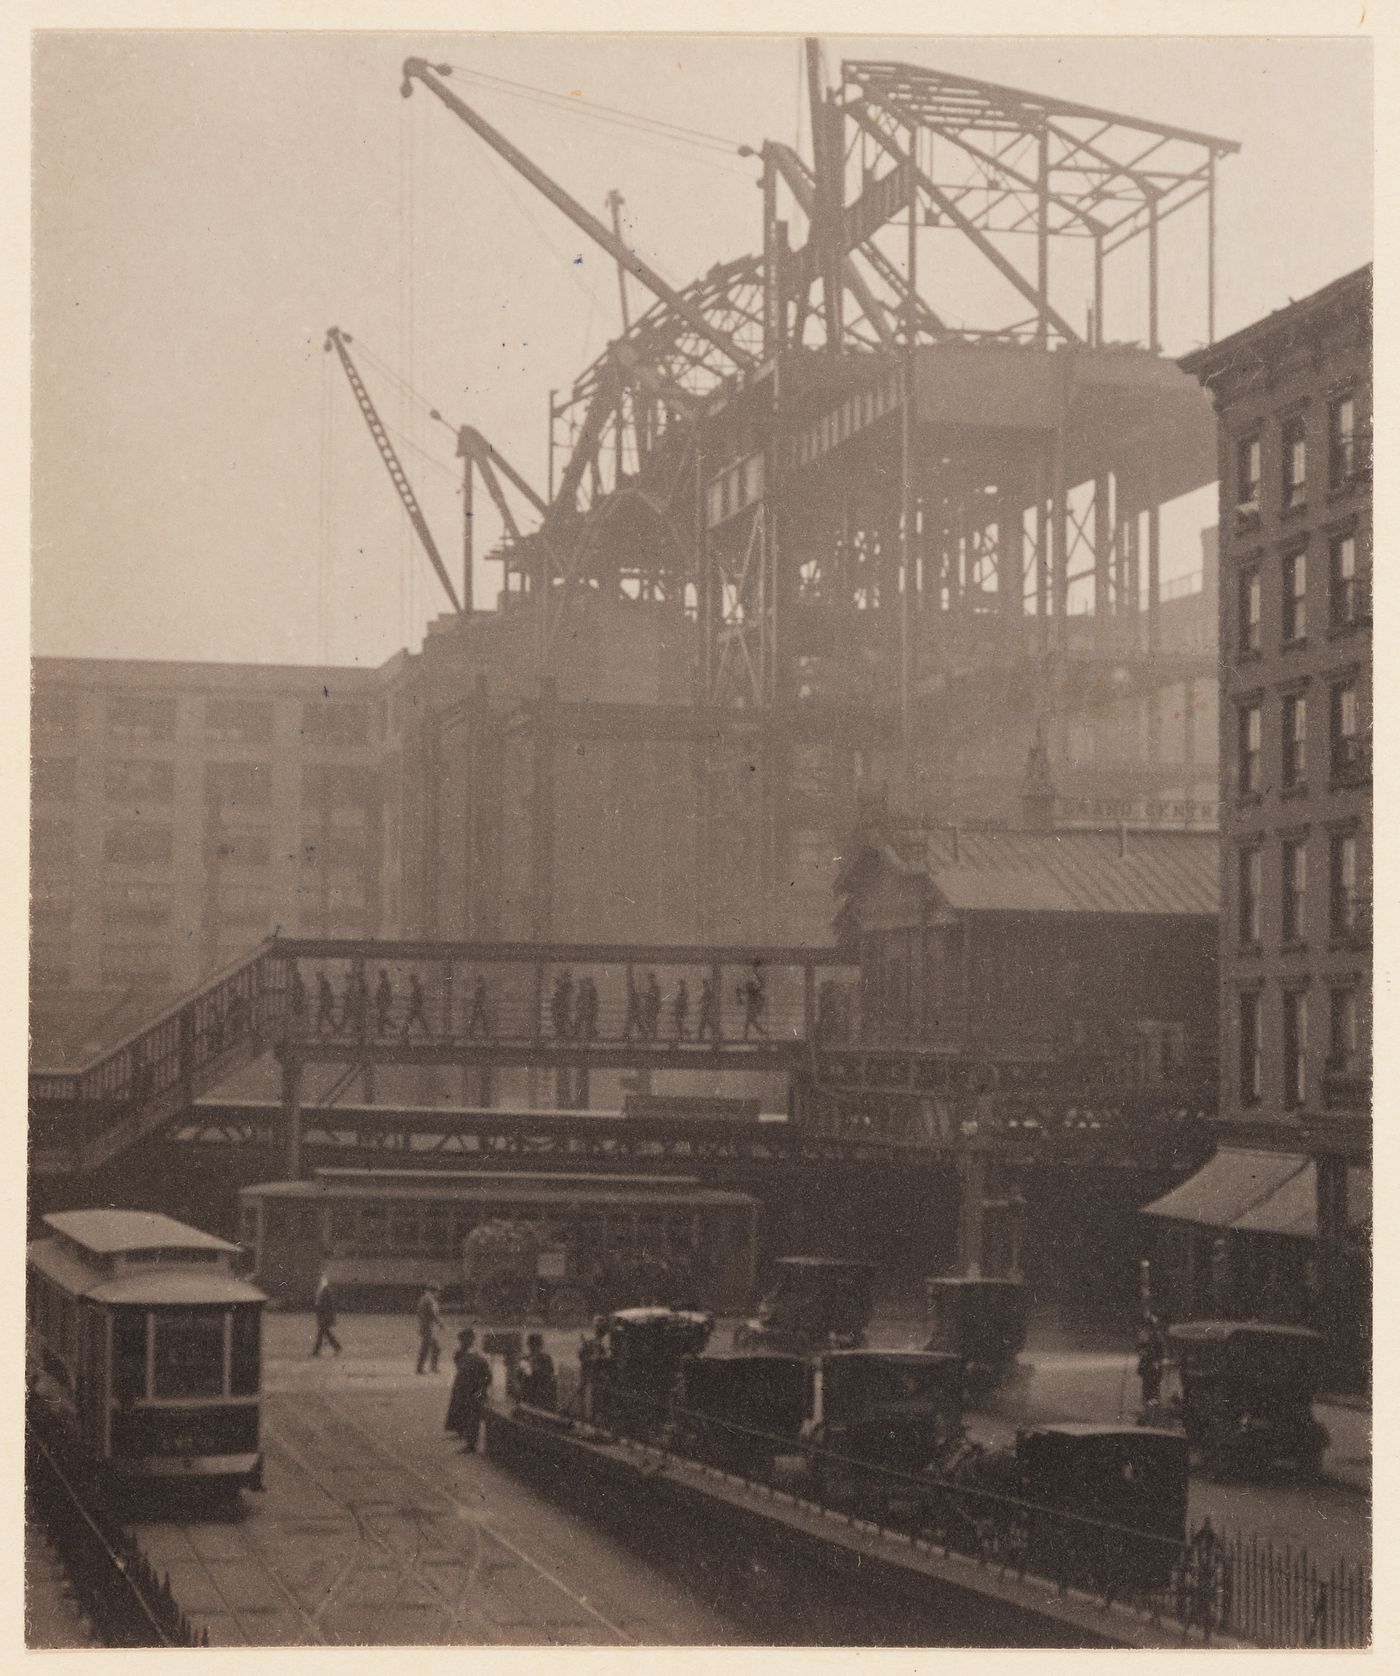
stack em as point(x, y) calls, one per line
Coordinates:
point(145, 1347)
point(583, 1245)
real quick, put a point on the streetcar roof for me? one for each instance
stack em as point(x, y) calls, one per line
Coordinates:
point(59, 1263)
point(486, 1189)
point(108, 1231)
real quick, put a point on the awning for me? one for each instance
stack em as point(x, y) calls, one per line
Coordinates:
point(1231, 1184)
point(1292, 1209)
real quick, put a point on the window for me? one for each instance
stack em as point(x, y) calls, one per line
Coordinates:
point(239, 721)
point(189, 1353)
point(133, 845)
point(1295, 460)
point(1295, 739)
point(246, 1360)
point(1251, 741)
point(331, 722)
point(1247, 466)
point(238, 782)
point(1343, 1039)
point(1295, 886)
point(1348, 603)
point(1295, 1047)
point(1347, 457)
point(136, 716)
point(1349, 758)
point(1295, 596)
point(128, 1354)
point(139, 782)
point(1343, 884)
point(1251, 1062)
point(1251, 609)
point(1251, 867)
point(243, 849)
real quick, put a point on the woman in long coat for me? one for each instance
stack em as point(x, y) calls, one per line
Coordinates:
point(471, 1390)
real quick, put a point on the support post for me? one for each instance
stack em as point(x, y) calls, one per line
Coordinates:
point(972, 1190)
point(1097, 339)
point(1154, 342)
point(468, 480)
point(291, 1114)
point(1103, 554)
point(1042, 238)
point(1210, 250)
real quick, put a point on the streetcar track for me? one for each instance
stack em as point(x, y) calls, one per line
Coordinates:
point(454, 1611)
point(209, 1571)
point(483, 1524)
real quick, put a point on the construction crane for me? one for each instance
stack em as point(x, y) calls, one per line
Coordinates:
point(418, 69)
point(339, 342)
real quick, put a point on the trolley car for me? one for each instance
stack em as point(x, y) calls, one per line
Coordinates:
point(380, 1235)
point(145, 1346)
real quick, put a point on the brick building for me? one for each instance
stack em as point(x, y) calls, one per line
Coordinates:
point(1293, 395)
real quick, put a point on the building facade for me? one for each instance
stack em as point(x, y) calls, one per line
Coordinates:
point(1293, 396)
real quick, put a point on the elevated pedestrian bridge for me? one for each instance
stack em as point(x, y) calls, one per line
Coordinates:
point(357, 1005)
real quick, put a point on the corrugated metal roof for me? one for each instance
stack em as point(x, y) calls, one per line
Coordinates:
point(131, 1230)
point(1096, 872)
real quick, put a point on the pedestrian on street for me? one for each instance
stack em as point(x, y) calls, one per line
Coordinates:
point(534, 1380)
point(383, 1003)
point(325, 1317)
point(708, 1022)
point(479, 1023)
point(471, 1390)
point(1152, 1353)
point(429, 1326)
point(592, 1368)
point(325, 1005)
point(416, 999)
point(680, 1010)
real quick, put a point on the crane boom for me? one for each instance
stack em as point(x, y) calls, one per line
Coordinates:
point(338, 340)
point(418, 69)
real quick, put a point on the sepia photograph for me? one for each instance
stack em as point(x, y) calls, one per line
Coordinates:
point(700, 840)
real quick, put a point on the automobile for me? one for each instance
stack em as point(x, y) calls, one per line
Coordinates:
point(981, 1320)
point(634, 1385)
point(814, 1304)
point(1104, 1505)
point(896, 1409)
point(1246, 1395)
point(740, 1410)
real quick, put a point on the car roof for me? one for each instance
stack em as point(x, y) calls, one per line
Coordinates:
point(109, 1231)
point(1219, 1332)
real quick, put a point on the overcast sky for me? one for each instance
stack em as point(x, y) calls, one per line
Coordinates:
point(206, 204)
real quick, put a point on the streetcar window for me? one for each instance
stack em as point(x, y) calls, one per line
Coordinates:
point(189, 1353)
point(128, 1354)
point(247, 1349)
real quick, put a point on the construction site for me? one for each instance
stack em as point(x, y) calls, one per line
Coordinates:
point(806, 542)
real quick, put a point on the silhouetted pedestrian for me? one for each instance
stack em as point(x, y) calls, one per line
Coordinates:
point(479, 1023)
point(471, 1389)
point(383, 1004)
point(297, 1002)
point(561, 1006)
point(651, 1008)
point(429, 1325)
point(325, 1005)
point(586, 1010)
point(708, 1022)
point(324, 1307)
point(636, 1018)
point(415, 1013)
point(752, 998)
point(534, 1380)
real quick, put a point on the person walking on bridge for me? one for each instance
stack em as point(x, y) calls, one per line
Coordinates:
point(479, 1024)
point(471, 1390)
point(383, 1003)
point(752, 998)
point(708, 1022)
point(416, 1014)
